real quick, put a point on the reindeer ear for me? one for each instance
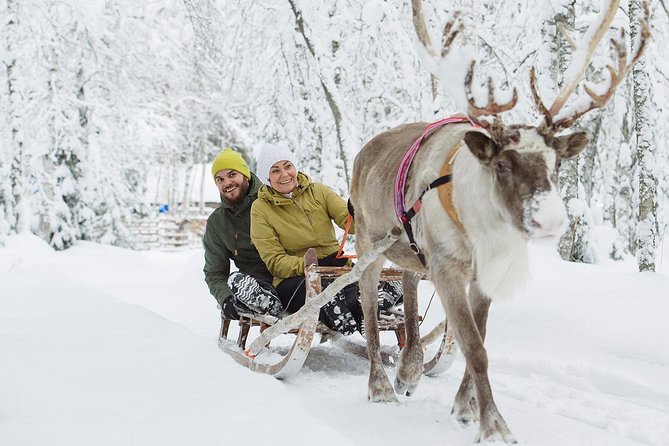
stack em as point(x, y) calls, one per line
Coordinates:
point(481, 146)
point(570, 145)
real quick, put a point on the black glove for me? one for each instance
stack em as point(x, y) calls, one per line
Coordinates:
point(332, 260)
point(349, 205)
point(228, 309)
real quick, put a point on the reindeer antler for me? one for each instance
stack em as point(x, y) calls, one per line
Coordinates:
point(451, 30)
point(576, 71)
point(492, 108)
point(537, 99)
point(598, 101)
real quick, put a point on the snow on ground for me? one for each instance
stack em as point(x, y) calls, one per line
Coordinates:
point(100, 345)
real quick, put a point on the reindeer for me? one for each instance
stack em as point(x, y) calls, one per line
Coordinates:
point(504, 192)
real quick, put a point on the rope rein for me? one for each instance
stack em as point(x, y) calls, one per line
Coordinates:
point(340, 253)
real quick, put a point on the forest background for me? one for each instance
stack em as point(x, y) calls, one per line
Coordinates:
point(94, 95)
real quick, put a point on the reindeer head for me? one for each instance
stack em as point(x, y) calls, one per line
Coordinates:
point(523, 160)
point(523, 163)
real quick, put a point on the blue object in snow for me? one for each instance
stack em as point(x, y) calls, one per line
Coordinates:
point(164, 209)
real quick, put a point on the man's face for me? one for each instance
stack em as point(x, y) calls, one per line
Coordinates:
point(232, 185)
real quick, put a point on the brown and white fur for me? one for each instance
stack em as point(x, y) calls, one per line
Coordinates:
point(505, 192)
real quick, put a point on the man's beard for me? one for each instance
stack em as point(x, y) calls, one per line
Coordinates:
point(239, 198)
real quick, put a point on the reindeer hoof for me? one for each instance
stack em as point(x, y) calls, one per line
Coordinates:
point(462, 421)
point(467, 412)
point(378, 396)
point(380, 391)
point(496, 430)
point(409, 370)
point(496, 437)
point(405, 387)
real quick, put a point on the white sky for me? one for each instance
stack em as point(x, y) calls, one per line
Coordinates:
point(103, 346)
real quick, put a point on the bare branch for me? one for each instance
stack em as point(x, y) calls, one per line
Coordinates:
point(664, 7)
point(563, 30)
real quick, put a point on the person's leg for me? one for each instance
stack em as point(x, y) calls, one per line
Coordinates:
point(265, 281)
point(352, 298)
point(390, 294)
point(338, 314)
point(334, 314)
point(254, 296)
point(292, 293)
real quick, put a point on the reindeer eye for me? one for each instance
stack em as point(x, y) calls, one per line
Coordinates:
point(502, 167)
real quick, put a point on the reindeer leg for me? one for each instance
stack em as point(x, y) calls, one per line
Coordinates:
point(410, 366)
point(380, 389)
point(452, 291)
point(465, 400)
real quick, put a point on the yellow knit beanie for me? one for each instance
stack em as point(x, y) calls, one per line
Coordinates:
point(229, 159)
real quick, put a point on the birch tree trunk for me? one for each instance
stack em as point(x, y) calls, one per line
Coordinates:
point(564, 24)
point(646, 228)
point(13, 189)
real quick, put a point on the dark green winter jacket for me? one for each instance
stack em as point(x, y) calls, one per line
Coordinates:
point(226, 238)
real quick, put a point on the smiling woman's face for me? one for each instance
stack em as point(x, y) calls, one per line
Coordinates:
point(283, 177)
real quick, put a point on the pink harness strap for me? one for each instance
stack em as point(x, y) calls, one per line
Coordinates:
point(405, 164)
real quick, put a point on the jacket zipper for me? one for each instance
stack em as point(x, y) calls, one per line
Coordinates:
point(306, 214)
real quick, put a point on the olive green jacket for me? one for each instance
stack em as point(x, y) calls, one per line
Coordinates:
point(227, 237)
point(284, 228)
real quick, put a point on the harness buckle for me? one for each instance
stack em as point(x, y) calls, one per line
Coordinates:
point(414, 248)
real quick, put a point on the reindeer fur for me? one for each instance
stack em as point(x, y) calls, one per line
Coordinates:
point(499, 213)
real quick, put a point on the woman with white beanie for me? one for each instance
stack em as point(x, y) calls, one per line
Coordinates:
point(291, 215)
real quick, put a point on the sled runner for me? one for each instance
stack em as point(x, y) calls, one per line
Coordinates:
point(310, 331)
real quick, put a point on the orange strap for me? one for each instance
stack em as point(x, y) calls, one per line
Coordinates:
point(340, 253)
point(446, 190)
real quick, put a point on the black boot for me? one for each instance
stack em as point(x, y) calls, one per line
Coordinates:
point(338, 317)
point(352, 297)
point(390, 294)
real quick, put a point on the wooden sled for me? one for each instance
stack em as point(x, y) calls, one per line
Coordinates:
point(312, 332)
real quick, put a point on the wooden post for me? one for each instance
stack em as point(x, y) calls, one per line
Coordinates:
point(225, 325)
point(401, 335)
point(264, 326)
point(244, 326)
point(313, 279)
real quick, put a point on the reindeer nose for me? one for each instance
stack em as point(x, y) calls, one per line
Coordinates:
point(553, 227)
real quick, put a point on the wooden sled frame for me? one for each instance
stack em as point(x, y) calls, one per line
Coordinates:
point(311, 332)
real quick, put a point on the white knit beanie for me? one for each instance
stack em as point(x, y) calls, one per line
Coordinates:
point(269, 155)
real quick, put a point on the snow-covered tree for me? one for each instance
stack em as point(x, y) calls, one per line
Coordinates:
point(646, 233)
point(97, 95)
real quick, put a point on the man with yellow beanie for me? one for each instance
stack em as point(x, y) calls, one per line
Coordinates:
point(227, 237)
